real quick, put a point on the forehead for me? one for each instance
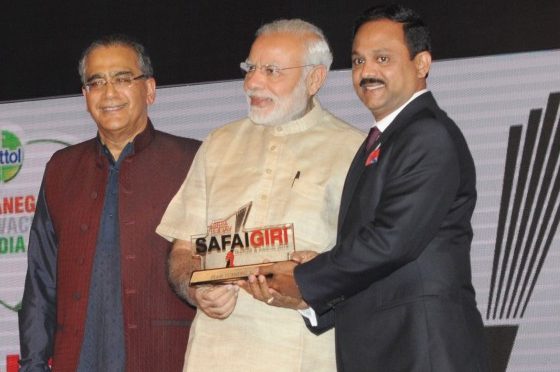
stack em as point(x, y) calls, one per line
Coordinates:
point(106, 59)
point(379, 34)
point(280, 48)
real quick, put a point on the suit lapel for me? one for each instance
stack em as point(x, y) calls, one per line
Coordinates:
point(358, 167)
point(352, 178)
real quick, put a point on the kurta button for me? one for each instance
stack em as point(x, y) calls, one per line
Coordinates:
point(268, 171)
point(83, 227)
point(76, 296)
point(132, 326)
point(93, 195)
point(80, 260)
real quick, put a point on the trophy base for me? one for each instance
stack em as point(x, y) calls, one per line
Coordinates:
point(226, 274)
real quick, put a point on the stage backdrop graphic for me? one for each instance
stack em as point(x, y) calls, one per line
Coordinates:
point(507, 107)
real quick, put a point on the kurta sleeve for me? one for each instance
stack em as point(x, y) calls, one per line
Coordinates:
point(37, 317)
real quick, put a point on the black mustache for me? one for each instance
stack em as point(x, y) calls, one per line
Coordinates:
point(371, 81)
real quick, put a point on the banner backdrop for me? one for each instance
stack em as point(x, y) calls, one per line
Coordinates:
point(507, 107)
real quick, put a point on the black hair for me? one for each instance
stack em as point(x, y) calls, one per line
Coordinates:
point(416, 32)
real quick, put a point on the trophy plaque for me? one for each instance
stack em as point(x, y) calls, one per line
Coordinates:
point(229, 251)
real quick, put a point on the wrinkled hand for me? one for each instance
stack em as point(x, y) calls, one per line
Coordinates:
point(282, 279)
point(303, 256)
point(259, 289)
point(216, 301)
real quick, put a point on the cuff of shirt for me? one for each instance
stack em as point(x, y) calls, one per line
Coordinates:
point(309, 313)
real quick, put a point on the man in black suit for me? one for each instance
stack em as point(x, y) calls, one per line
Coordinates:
point(397, 284)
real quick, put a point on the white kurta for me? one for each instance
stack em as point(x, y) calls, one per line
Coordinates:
point(243, 162)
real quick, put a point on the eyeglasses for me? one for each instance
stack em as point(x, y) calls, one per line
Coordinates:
point(268, 70)
point(118, 82)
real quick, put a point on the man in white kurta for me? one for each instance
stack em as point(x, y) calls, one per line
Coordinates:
point(292, 169)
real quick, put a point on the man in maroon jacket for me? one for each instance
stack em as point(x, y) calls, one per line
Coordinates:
point(96, 296)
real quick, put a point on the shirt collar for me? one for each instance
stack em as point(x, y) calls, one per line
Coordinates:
point(384, 123)
point(139, 143)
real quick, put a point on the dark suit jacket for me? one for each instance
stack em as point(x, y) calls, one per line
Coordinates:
point(397, 285)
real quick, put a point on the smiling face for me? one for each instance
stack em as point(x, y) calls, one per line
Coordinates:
point(119, 112)
point(275, 99)
point(383, 74)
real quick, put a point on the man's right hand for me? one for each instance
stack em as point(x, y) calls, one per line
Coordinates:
point(303, 256)
point(216, 301)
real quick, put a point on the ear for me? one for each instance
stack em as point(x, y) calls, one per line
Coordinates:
point(423, 61)
point(85, 93)
point(150, 90)
point(315, 79)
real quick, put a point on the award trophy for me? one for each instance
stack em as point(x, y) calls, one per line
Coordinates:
point(229, 252)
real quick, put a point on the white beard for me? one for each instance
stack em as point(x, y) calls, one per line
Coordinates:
point(285, 109)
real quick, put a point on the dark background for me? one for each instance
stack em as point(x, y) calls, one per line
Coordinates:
point(196, 41)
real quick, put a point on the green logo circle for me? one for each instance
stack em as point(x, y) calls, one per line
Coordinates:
point(11, 156)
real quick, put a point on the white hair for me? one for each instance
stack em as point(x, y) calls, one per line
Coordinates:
point(317, 48)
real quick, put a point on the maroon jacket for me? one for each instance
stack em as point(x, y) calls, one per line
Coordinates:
point(156, 322)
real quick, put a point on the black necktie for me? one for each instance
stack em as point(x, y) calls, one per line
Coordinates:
point(373, 135)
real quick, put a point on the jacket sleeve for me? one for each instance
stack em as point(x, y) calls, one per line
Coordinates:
point(325, 322)
point(37, 317)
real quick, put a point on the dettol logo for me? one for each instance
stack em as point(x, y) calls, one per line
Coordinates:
point(11, 156)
